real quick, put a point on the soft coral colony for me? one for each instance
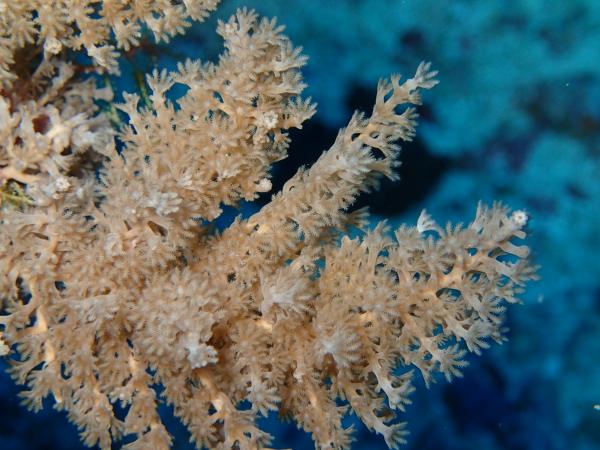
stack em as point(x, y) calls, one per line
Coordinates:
point(112, 282)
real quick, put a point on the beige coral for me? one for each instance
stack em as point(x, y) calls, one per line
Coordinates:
point(98, 27)
point(113, 286)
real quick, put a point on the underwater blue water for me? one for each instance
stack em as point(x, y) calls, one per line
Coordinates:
point(516, 118)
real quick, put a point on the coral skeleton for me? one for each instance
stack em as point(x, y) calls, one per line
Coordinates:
point(114, 282)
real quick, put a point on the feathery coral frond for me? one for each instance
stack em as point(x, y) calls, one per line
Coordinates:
point(112, 282)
